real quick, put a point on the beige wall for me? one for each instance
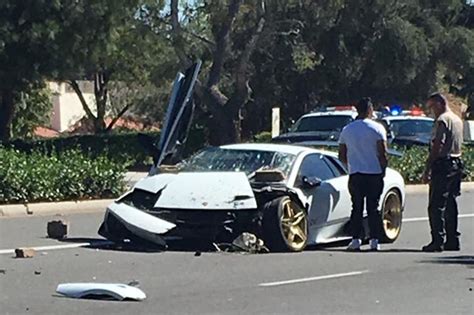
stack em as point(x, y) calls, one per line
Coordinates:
point(67, 108)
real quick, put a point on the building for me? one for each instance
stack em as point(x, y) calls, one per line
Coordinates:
point(67, 108)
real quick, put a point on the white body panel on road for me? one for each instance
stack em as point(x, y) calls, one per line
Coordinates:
point(116, 291)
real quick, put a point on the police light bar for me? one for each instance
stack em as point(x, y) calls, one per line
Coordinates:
point(395, 110)
point(416, 111)
point(341, 108)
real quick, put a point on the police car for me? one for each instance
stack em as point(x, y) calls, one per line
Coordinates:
point(324, 125)
point(407, 128)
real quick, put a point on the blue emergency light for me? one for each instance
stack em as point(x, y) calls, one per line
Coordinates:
point(395, 110)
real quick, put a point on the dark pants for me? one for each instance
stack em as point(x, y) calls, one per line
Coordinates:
point(445, 186)
point(368, 188)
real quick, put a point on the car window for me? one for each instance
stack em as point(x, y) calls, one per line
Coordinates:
point(314, 165)
point(336, 166)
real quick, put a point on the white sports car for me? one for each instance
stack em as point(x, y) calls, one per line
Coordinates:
point(289, 196)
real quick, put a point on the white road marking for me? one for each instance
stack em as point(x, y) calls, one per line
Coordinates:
point(338, 275)
point(58, 247)
point(468, 215)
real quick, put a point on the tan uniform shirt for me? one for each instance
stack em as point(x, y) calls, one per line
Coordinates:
point(449, 129)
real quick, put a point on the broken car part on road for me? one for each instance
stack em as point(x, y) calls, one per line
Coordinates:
point(116, 291)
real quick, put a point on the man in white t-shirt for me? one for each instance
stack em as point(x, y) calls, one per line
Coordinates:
point(363, 147)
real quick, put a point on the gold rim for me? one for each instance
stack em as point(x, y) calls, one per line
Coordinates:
point(392, 217)
point(294, 225)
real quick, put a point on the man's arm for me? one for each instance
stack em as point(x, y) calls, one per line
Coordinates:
point(382, 155)
point(343, 153)
point(436, 146)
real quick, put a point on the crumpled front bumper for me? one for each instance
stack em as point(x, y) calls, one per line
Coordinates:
point(125, 222)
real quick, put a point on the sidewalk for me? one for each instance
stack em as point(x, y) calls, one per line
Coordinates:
point(70, 207)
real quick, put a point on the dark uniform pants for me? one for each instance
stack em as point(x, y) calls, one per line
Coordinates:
point(368, 188)
point(445, 186)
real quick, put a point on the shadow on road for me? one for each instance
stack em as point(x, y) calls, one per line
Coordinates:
point(466, 260)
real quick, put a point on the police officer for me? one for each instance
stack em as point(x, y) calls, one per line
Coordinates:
point(443, 172)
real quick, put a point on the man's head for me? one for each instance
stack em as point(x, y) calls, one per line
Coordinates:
point(437, 103)
point(365, 108)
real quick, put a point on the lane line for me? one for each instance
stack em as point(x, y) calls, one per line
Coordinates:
point(301, 280)
point(58, 247)
point(468, 215)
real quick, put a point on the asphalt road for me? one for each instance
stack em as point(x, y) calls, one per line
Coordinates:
point(399, 279)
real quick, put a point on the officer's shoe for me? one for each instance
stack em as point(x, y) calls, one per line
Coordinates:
point(432, 247)
point(452, 245)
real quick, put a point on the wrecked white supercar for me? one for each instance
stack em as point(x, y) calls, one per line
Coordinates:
point(289, 196)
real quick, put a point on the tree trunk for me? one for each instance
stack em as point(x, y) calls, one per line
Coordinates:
point(101, 93)
point(7, 111)
point(224, 131)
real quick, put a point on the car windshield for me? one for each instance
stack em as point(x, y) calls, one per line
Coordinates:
point(412, 127)
point(322, 123)
point(229, 160)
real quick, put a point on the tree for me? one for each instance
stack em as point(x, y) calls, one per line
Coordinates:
point(109, 44)
point(225, 44)
point(25, 27)
point(33, 108)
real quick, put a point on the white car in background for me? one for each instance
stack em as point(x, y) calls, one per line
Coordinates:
point(324, 125)
point(408, 130)
point(289, 196)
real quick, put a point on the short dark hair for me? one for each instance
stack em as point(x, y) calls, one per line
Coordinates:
point(438, 97)
point(363, 105)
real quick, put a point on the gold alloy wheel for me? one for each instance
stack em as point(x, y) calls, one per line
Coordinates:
point(392, 215)
point(294, 225)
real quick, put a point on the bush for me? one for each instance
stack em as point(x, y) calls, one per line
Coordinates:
point(412, 164)
point(263, 137)
point(69, 175)
point(121, 148)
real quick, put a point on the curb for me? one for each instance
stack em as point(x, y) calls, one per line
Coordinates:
point(52, 208)
point(71, 207)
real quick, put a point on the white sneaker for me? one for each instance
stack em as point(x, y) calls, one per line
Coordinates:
point(354, 245)
point(374, 244)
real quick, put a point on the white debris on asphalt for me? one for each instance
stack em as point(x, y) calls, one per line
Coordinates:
point(115, 291)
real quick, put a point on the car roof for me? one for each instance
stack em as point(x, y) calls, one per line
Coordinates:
point(399, 118)
point(350, 113)
point(283, 148)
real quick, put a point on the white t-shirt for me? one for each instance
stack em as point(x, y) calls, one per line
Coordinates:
point(360, 138)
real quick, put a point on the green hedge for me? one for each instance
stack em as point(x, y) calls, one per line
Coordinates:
point(69, 175)
point(119, 147)
point(412, 164)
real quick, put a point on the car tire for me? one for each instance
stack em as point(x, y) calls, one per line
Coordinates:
point(285, 225)
point(392, 216)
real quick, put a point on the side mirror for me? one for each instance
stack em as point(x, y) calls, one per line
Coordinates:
point(311, 181)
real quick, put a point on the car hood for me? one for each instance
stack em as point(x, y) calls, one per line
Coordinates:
point(416, 140)
point(307, 136)
point(200, 191)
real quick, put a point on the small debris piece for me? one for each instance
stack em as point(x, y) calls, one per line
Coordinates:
point(3, 271)
point(24, 253)
point(134, 283)
point(37, 272)
point(197, 254)
point(58, 229)
point(248, 242)
point(44, 253)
